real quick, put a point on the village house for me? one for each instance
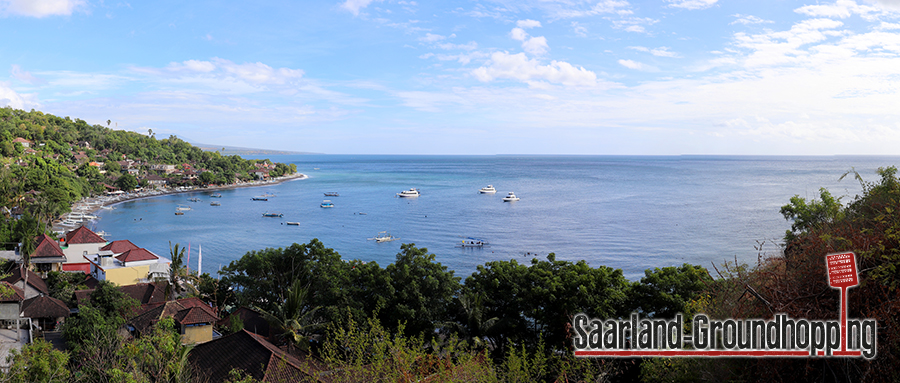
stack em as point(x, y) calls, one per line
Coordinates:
point(155, 180)
point(261, 360)
point(132, 266)
point(23, 142)
point(79, 243)
point(36, 286)
point(193, 318)
point(168, 169)
point(47, 255)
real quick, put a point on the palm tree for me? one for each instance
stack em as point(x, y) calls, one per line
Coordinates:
point(476, 327)
point(177, 273)
point(293, 319)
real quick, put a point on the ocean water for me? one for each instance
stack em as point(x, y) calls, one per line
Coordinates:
point(626, 212)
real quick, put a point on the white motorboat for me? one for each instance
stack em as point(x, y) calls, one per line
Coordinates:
point(383, 237)
point(488, 190)
point(326, 203)
point(510, 197)
point(409, 193)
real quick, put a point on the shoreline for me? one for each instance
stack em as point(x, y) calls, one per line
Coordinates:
point(89, 205)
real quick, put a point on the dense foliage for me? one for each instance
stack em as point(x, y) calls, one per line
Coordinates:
point(62, 160)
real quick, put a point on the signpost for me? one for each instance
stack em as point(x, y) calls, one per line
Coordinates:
point(842, 274)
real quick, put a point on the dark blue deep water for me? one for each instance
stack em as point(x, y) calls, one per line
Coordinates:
point(625, 212)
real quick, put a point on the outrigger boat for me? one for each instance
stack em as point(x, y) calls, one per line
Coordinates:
point(216, 195)
point(473, 242)
point(260, 198)
point(277, 215)
point(215, 203)
point(294, 223)
point(332, 194)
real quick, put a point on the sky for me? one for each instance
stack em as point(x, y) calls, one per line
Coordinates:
point(663, 77)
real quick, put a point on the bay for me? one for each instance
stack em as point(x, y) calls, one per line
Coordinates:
point(626, 212)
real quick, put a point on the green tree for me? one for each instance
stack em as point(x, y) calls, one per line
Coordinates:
point(423, 291)
point(809, 215)
point(207, 177)
point(665, 292)
point(294, 319)
point(127, 182)
point(37, 362)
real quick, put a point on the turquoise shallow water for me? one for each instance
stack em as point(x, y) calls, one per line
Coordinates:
point(625, 212)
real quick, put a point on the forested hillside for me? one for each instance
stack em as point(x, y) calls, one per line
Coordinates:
point(49, 162)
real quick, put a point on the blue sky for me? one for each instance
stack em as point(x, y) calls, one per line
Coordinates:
point(468, 77)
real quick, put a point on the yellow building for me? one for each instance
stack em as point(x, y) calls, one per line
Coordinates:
point(193, 318)
point(132, 266)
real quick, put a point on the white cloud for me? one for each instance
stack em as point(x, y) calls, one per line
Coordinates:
point(749, 19)
point(430, 38)
point(578, 29)
point(692, 4)
point(518, 34)
point(355, 5)
point(840, 9)
point(633, 24)
point(659, 52)
point(9, 97)
point(40, 8)
point(519, 67)
point(631, 64)
point(24, 76)
point(255, 73)
point(536, 46)
point(525, 24)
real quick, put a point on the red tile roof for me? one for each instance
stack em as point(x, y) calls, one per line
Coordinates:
point(120, 246)
point(195, 315)
point(47, 248)
point(193, 310)
point(135, 255)
point(83, 235)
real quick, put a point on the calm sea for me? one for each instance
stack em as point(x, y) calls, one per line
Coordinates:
point(625, 212)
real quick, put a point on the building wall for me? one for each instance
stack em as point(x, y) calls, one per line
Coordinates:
point(75, 253)
point(124, 276)
point(196, 334)
point(11, 311)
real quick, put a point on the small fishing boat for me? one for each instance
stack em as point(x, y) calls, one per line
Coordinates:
point(215, 203)
point(216, 195)
point(179, 213)
point(332, 194)
point(277, 215)
point(326, 203)
point(259, 198)
point(383, 237)
point(182, 208)
point(293, 223)
point(194, 199)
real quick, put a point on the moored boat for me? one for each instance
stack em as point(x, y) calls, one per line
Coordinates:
point(278, 215)
point(473, 242)
point(511, 197)
point(487, 190)
point(293, 223)
point(332, 194)
point(383, 237)
point(260, 198)
point(326, 203)
point(216, 195)
point(215, 203)
point(409, 193)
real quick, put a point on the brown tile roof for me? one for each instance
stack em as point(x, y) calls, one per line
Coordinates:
point(47, 248)
point(250, 353)
point(252, 319)
point(15, 294)
point(83, 235)
point(120, 246)
point(34, 280)
point(152, 313)
point(44, 307)
point(195, 315)
point(135, 255)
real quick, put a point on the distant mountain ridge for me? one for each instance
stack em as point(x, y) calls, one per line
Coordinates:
point(235, 150)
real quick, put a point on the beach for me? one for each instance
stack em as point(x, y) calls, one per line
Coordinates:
point(89, 205)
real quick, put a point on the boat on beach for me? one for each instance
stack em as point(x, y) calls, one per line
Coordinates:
point(277, 215)
point(326, 203)
point(383, 237)
point(511, 197)
point(487, 190)
point(408, 193)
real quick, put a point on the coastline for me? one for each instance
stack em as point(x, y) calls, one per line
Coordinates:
point(89, 205)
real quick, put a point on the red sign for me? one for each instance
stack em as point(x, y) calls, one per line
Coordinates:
point(842, 270)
